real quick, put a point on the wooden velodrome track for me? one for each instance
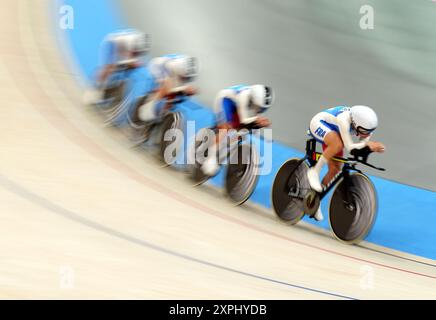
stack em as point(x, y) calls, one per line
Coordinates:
point(84, 216)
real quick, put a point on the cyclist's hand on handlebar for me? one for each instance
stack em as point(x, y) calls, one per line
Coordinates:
point(263, 122)
point(183, 90)
point(191, 91)
point(376, 146)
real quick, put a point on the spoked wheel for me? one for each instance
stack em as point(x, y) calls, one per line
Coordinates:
point(352, 219)
point(289, 189)
point(200, 152)
point(172, 125)
point(242, 173)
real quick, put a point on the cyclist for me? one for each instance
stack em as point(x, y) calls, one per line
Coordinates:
point(236, 107)
point(334, 128)
point(121, 50)
point(171, 75)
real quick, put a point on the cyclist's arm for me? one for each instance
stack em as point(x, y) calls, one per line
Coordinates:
point(186, 89)
point(366, 140)
point(108, 59)
point(344, 124)
point(178, 89)
point(104, 74)
point(165, 86)
point(243, 102)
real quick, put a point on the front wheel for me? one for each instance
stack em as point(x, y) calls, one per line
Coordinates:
point(242, 173)
point(290, 186)
point(353, 208)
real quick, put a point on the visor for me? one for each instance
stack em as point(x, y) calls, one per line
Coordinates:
point(268, 96)
point(364, 131)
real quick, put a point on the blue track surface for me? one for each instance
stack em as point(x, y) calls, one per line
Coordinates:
point(407, 215)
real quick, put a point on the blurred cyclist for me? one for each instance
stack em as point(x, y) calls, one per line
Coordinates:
point(171, 75)
point(238, 107)
point(121, 50)
point(334, 129)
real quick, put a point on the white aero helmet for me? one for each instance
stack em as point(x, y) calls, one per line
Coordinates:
point(262, 96)
point(363, 119)
point(185, 67)
point(133, 44)
point(140, 43)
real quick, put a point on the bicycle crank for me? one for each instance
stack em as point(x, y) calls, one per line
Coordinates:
point(311, 203)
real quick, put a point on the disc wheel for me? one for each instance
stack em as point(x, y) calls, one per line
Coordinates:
point(117, 102)
point(242, 173)
point(171, 124)
point(289, 189)
point(353, 216)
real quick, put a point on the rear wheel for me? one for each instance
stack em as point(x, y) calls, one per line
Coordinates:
point(117, 102)
point(353, 208)
point(242, 173)
point(171, 123)
point(289, 189)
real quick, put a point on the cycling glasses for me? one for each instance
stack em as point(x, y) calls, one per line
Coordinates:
point(364, 131)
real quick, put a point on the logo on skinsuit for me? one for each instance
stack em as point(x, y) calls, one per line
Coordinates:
point(320, 132)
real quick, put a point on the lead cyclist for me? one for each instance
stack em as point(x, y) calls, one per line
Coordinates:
point(334, 128)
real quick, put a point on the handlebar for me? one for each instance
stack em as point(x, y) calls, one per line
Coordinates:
point(176, 97)
point(250, 126)
point(361, 156)
point(119, 67)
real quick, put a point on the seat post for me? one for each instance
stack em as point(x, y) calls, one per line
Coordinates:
point(310, 150)
point(310, 146)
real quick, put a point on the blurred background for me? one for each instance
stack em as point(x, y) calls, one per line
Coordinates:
point(315, 55)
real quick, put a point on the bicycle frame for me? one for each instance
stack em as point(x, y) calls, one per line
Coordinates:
point(312, 157)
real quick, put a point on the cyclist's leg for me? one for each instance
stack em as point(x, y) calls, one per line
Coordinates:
point(225, 119)
point(334, 168)
point(136, 119)
point(229, 120)
point(224, 123)
point(332, 147)
point(320, 131)
point(147, 111)
point(223, 129)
